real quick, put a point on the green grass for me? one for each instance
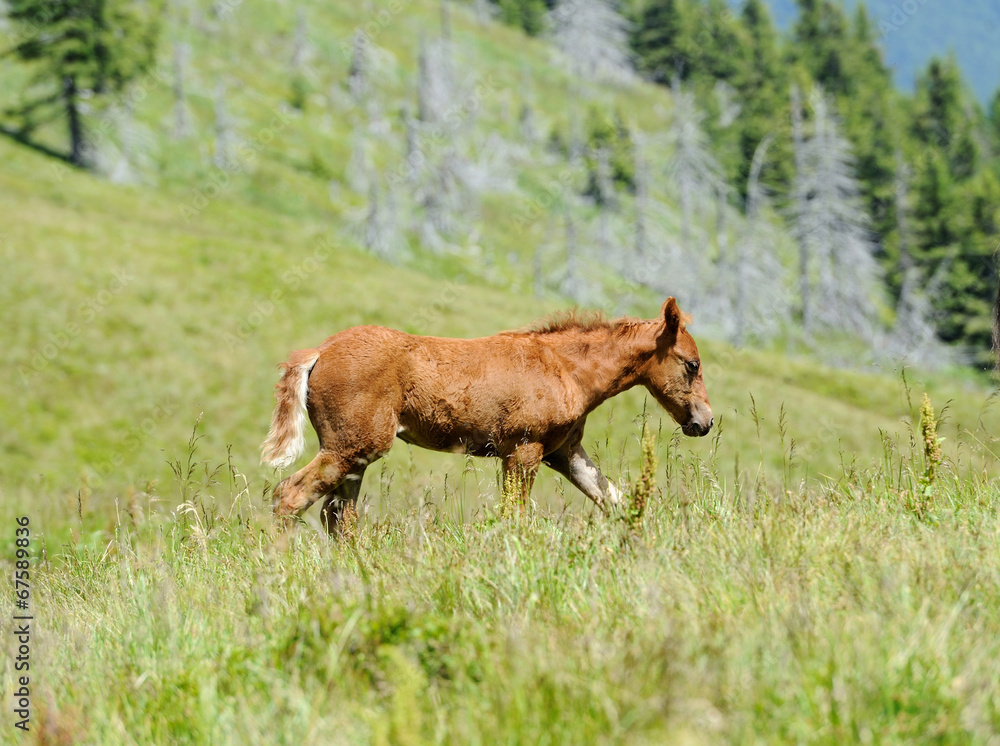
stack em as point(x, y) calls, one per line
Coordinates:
point(790, 580)
point(829, 615)
point(108, 375)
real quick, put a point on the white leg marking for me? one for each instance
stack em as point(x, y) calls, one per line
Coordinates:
point(588, 478)
point(586, 475)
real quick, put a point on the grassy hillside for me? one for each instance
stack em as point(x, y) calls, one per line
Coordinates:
point(804, 575)
point(822, 619)
point(135, 310)
point(127, 326)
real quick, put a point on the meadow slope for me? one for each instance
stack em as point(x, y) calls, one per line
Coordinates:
point(799, 576)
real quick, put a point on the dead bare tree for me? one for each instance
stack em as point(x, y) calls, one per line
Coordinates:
point(832, 228)
point(593, 38)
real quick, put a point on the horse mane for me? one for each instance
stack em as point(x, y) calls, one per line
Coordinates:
point(573, 319)
point(581, 321)
point(587, 321)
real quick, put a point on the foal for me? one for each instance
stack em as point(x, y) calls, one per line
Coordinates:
point(522, 396)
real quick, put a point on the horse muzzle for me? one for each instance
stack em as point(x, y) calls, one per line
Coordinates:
point(699, 423)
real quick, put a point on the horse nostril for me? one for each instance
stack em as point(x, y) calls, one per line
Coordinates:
point(710, 423)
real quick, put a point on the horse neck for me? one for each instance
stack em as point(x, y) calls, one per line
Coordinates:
point(606, 361)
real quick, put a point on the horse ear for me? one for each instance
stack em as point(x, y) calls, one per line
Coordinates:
point(673, 320)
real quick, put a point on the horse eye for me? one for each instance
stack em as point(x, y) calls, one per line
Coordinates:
point(692, 366)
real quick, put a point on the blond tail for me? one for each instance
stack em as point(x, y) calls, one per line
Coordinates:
point(286, 441)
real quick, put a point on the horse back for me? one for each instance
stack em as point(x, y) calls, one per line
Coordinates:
point(442, 389)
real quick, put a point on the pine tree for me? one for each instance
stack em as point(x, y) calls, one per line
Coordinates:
point(380, 233)
point(572, 284)
point(938, 104)
point(299, 61)
point(81, 47)
point(799, 196)
point(721, 42)
point(357, 76)
point(870, 124)
point(913, 336)
point(820, 43)
point(640, 227)
point(994, 121)
point(525, 14)
point(761, 84)
point(662, 40)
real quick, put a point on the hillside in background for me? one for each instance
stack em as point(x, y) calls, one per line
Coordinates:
point(889, 196)
point(967, 28)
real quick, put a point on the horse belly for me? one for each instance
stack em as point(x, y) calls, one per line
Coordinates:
point(485, 422)
point(447, 439)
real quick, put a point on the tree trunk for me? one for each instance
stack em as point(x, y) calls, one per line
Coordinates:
point(572, 277)
point(798, 143)
point(182, 123)
point(77, 155)
point(641, 237)
point(445, 21)
point(901, 196)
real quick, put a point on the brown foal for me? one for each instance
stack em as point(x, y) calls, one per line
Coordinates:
point(522, 396)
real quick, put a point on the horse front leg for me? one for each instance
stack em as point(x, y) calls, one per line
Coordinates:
point(574, 464)
point(520, 468)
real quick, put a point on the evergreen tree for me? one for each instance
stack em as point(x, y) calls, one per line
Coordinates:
point(938, 104)
point(820, 35)
point(182, 114)
point(611, 135)
point(81, 47)
point(525, 14)
point(662, 40)
point(994, 120)
point(720, 42)
point(870, 125)
point(759, 296)
point(761, 85)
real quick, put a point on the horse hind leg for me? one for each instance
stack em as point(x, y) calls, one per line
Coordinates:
point(341, 501)
point(319, 477)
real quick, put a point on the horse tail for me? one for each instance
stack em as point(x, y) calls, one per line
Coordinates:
point(285, 441)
